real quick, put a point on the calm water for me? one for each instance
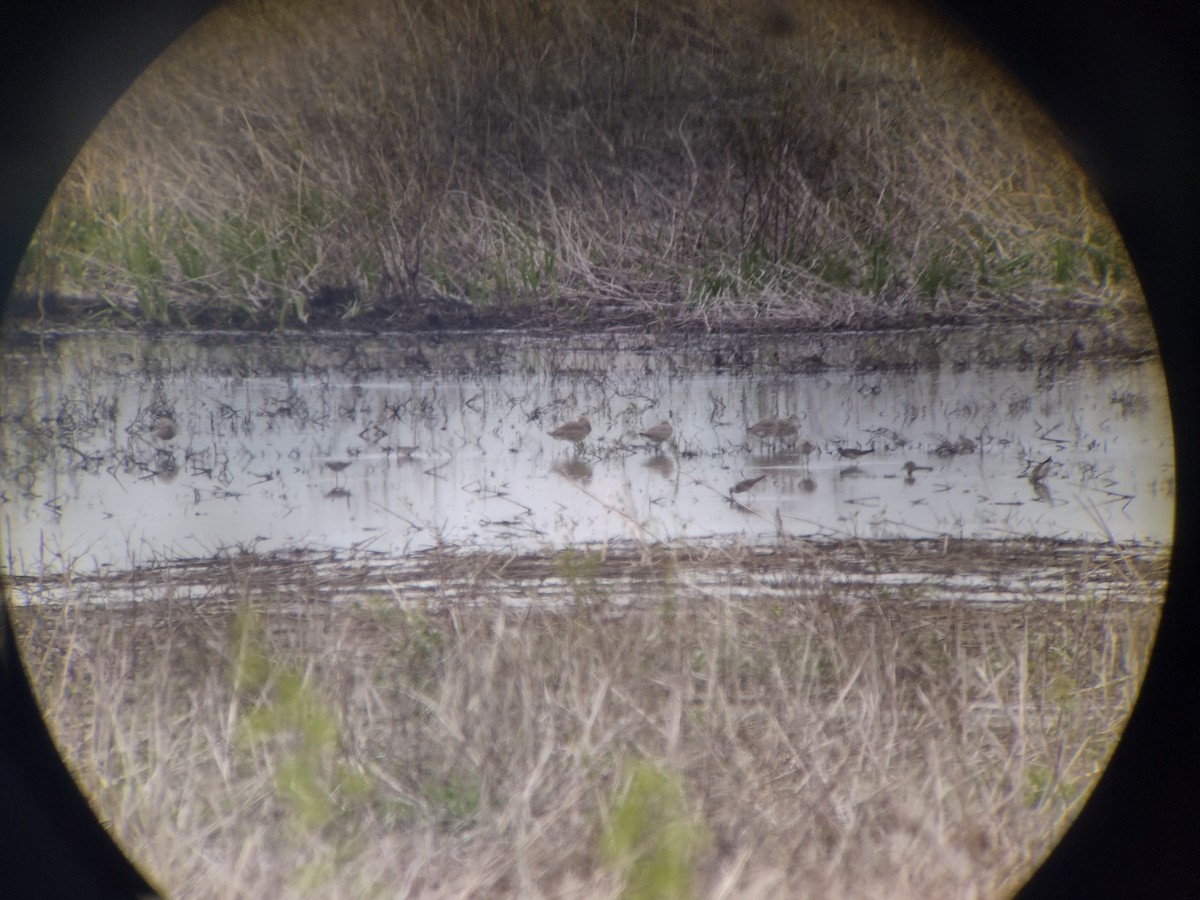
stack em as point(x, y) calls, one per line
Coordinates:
point(87, 486)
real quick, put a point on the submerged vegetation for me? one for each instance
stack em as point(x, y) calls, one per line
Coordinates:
point(707, 165)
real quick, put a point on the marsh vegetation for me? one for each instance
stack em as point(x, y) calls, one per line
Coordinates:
point(729, 724)
point(708, 166)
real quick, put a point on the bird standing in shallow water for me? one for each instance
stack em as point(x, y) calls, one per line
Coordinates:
point(1038, 475)
point(745, 484)
point(574, 432)
point(787, 429)
point(765, 429)
point(337, 467)
point(164, 428)
point(656, 434)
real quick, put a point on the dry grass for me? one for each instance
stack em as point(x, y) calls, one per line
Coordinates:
point(709, 164)
point(693, 743)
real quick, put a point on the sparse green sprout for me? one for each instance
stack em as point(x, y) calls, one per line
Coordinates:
point(285, 717)
point(651, 839)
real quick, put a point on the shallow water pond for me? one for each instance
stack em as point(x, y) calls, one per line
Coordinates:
point(404, 443)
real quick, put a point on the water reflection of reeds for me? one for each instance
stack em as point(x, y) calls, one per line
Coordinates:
point(250, 457)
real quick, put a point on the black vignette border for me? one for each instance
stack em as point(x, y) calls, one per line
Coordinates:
point(1120, 79)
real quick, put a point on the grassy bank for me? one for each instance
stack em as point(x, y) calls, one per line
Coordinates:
point(258, 740)
point(706, 165)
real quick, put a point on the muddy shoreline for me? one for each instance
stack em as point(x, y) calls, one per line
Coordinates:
point(920, 572)
point(1024, 343)
point(334, 310)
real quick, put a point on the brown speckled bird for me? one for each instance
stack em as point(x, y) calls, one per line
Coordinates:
point(1038, 475)
point(574, 432)
point(164, 428)
point(765, 429)
point(745, 484)
point(788, 428)
point(658, 433)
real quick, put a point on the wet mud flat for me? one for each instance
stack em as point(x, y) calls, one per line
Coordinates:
point(918, 573)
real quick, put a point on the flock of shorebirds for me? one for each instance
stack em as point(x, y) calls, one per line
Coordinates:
point(772, 429)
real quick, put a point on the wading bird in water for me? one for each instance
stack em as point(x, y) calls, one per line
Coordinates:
point(574, 432)
point(337, 467)
point(1038, 475)
point(788, 428)
point(765, 429)
point(164, 428)
point(745, 484)
point(658, 433)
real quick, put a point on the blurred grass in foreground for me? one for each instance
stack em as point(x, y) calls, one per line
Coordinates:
point(827, 742)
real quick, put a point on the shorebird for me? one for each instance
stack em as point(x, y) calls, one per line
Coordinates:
point(806, 450)
point(164, 428)
point(910, 467)
point(952, 448)
point(574, 469)
point(656, 434)
point(574, 432)
point(1038, 475)
point(337, 467)
point(765, 429)
point(788, 428)
point(745, 484)
point(853, 452)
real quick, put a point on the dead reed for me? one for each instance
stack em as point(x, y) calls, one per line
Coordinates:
point(706, 165)
point(665, 741)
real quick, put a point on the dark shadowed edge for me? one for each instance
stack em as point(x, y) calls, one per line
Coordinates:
point(63, 65)
point(1120, 79)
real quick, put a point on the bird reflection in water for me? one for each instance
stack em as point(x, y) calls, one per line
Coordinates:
point(662, 464)
point(574, 469)
point(658, 433)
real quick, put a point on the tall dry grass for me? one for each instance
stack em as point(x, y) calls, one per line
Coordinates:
point(691, 744)
point(706, 164)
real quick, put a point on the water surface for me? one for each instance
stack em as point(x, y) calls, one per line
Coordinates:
point(87, 486)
